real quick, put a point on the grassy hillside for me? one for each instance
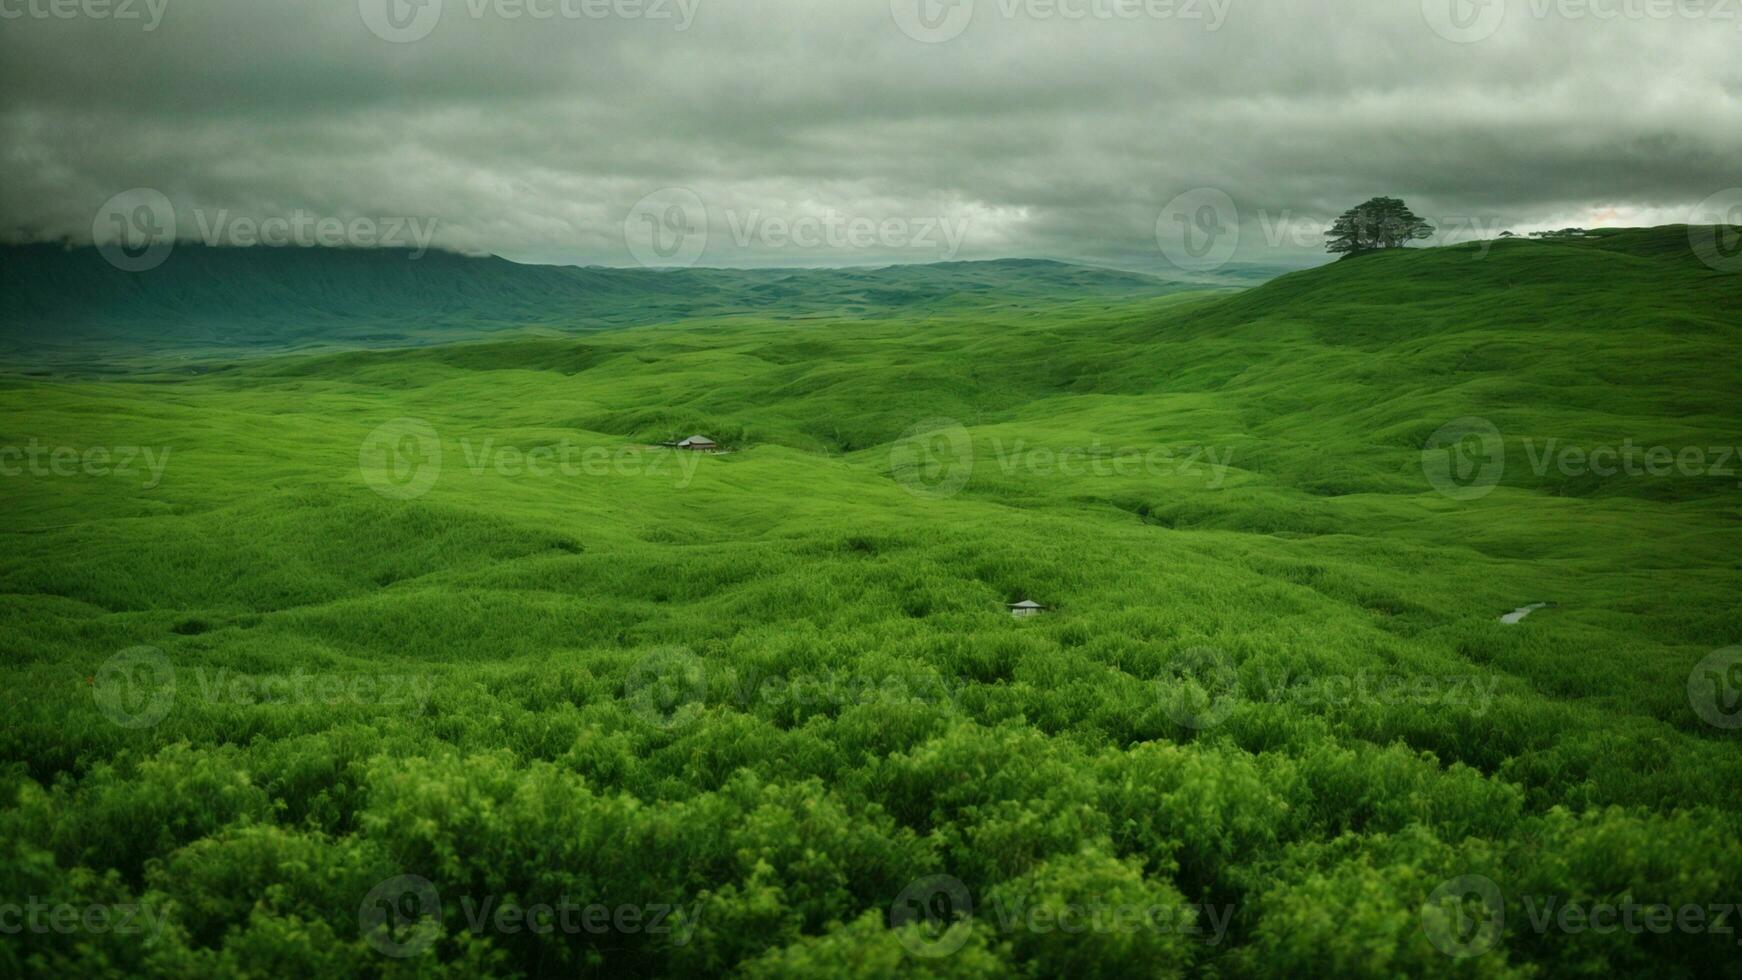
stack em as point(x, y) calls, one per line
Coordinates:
point(445, 613)
point(69, 308)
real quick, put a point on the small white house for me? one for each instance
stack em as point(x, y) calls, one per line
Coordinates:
point(1026, 608)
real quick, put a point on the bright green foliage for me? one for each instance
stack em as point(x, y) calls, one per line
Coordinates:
point(1089, 915)
point(867, 949)
point(774, 689)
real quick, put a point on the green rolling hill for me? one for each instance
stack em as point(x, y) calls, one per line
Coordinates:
point(448, 612)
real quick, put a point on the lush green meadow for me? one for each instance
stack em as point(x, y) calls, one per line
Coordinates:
point(396, 631)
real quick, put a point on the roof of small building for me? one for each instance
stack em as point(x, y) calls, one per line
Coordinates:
point(696, 439)
point(1026, 604)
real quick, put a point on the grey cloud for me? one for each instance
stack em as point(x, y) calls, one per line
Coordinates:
point(1046, 136)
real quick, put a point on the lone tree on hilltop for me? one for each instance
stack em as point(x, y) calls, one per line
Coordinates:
point(1384, 222)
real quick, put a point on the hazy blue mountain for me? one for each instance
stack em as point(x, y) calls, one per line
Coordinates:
point(69, 304)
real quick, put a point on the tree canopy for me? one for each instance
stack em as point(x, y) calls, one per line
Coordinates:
point(1383, 222)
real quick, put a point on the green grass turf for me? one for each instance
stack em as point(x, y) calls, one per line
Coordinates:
point(775, 687)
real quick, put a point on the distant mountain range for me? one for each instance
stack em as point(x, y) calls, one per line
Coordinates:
point(65, 304)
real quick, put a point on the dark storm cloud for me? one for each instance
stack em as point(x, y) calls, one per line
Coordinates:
point(855, 131)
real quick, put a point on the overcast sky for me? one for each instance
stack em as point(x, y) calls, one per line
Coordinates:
point(846, 132)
